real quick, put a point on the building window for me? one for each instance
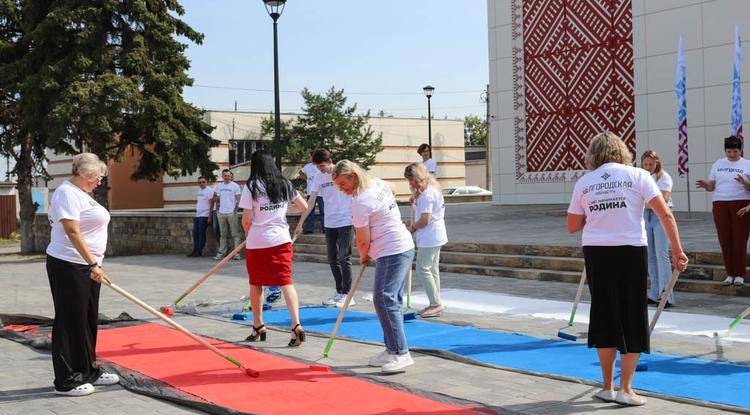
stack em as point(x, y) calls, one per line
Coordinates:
point(241, 150)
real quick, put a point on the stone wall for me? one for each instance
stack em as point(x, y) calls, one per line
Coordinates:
point(144, 233)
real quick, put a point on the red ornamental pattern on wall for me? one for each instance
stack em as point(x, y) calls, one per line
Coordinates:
point(573, 78)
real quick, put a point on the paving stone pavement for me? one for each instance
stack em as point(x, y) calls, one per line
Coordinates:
point(26, 375)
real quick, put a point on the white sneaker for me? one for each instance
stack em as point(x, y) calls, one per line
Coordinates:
point(629, 400)
point(237, 257)
point(728, 281)
point(379, 359)
point(397, 363)
point(218, 257)
point(332, 299)
point(342, 300)
point(107, 379)
point(739, 281)
point(606, 395)
point(83, 390)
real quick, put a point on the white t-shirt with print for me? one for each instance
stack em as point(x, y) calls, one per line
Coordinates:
point(337, 204)
point(376, 207)
point(434, 234)
point(430, 165)
point(310, 171)
point(268, 227)
point(723, 172)
point(665, 184)
point(227, 196)
point(612, 198)
point(70, 202)
point(203, 201)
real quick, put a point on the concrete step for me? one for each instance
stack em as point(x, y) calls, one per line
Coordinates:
point(703, 258)
point(686, 283)
point(702, 272)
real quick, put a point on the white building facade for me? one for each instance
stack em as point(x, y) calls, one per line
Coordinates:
point(562, 71)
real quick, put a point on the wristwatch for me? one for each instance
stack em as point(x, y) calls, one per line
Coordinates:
point(92, 266)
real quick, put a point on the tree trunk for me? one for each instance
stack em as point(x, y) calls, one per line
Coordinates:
point(101, 193)
point(24, 168)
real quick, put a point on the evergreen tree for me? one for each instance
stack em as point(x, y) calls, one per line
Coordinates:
point(107, 76)
point(328, 122)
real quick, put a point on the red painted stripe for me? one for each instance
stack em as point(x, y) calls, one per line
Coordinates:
point(284, 386)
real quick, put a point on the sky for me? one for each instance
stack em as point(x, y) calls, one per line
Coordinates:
point(380, 52)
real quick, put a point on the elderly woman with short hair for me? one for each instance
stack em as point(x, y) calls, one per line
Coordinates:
point(607, 205)
point(78, 240)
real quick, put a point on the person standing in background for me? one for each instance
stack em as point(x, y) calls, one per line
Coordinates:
point(308, 172)
point(227, 194)
point(659, 265)
point(430, 164)
point(204, 210)
point(730, 195)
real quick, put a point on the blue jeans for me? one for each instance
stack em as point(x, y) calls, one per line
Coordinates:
point(390, 278)
point(659, 264)
point(199, 234)
point(310, 221)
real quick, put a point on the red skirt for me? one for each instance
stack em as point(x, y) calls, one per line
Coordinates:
point(270, 266)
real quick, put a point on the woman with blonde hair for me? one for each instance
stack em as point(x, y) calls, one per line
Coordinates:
point(659, 267)
point(78, 239)
point(429, 229)
point(381, 237)
point(607, 205)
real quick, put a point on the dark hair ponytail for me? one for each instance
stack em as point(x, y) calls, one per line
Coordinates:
point(263, 170)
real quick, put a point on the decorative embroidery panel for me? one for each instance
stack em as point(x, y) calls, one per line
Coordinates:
point(572, 78)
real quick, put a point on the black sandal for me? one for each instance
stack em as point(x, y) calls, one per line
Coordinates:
point(298, 337)
point(256, 334)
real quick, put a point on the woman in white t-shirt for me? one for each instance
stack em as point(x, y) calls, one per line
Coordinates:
point(607, 204)
point(430, 164)
point(659, 265)
point(266, 198)
point(75, 253)
point(381, 237)
point(726, 181)
point(429, 229)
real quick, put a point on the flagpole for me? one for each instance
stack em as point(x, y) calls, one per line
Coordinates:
point(690, 211)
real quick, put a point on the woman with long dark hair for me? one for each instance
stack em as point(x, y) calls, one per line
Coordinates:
point(266, 199)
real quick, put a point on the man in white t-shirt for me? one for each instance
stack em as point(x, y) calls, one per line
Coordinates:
point(338, 226)
point(227, 196)
point(308, 172)
point(430, 164)
point(203, 213)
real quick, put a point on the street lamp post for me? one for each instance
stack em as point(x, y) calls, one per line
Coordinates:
point(428, 90)
point(275, 8)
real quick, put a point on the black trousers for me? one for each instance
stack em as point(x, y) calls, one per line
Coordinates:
point(339, 248)
point(76, 299)
point(617, 277)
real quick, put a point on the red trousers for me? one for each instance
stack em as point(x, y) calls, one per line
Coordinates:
point(733, 231)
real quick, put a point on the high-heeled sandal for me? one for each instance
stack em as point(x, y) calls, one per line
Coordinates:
point(257, 334)
point(298, 337)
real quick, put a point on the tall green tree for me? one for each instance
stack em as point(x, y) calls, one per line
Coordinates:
point(326, 121)
point(16, 140)
point(107, 76)
point(475, 131)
